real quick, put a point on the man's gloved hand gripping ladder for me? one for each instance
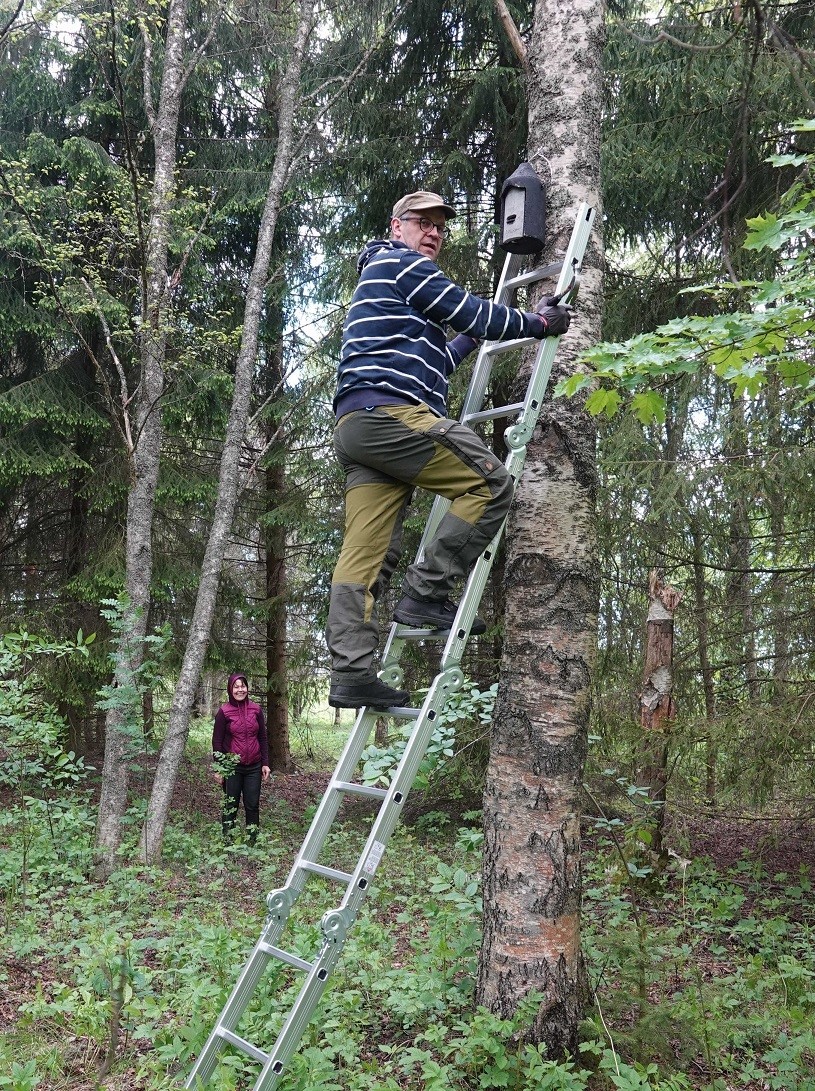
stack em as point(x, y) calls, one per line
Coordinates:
point(336, 922)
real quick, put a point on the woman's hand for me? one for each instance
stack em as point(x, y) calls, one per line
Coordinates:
point(218, 778)
point(265, 771)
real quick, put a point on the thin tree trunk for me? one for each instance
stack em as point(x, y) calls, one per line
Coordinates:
point(531, 801)
point(656, 699)
point(779, 582)
point(277, 705)
point(147, 439)
point(74, 555)
point(739, 584)
point(228, 480)
point(703, 641)
point(274, 547)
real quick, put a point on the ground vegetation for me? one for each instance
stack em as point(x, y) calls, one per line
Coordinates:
point(701, 976)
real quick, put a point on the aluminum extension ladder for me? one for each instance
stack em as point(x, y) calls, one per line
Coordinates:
point(336, 923)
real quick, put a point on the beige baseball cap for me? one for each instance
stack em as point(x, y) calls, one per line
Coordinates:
point(422, 201)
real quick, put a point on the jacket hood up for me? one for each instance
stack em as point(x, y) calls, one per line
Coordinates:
point(233, 678)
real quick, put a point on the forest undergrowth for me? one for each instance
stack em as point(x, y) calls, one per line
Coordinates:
point(703, 977)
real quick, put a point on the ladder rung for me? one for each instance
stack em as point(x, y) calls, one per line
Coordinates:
point(534, 275)
point(326, 872)
point(496, 348)
point(360, 789)
point(407, 632)
point(284, 956)
point(241, 1043)
point(491, 414)
point(406, 713)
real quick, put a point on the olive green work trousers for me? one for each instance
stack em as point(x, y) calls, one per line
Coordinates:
point(386, 451)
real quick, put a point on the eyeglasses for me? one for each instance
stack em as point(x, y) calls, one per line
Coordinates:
point(426, 226)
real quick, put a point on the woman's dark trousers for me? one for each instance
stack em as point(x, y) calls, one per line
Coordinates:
point(245, 781)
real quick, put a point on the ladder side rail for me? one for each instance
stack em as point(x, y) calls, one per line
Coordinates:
point(470, 601)
point(294, 1027)
point(521, 431)
point(477, 580)
point(281, 901)
point(445, 683)
point(336, 922)
point(482, 369)
point(390, 672)
point(438, 510)
point(207, 1060)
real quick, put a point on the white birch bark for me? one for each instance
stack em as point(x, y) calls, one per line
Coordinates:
point(147, 435)
point(531, 802)
point(228, 480)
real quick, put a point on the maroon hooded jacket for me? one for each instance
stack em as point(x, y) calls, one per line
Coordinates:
point(240, 728)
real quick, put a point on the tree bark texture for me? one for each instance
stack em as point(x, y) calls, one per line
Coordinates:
point(781, 600)
point(739, 587)
point(656, 698)
point(701, 609)
point(277, 705)
point(229, 472)
point(146, 452)
point(531, 802)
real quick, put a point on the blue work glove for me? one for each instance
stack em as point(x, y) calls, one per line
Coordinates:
point(556, 317)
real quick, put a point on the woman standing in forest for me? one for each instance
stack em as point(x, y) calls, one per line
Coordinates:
point(240, 751)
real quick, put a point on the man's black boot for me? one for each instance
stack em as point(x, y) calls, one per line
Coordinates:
point(431, 613)
point(355, 693)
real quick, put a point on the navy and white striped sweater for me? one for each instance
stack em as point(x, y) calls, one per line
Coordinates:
point(394, 343)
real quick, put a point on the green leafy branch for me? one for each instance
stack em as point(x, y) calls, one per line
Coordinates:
point(773, 334)
point(126, 697)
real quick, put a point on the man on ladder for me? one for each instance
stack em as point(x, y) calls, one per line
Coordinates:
point(395, 349)
point(393, 433)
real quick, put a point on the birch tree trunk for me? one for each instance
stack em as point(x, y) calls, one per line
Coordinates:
point(229, 472)
point(531, 801)
point(145, 454)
